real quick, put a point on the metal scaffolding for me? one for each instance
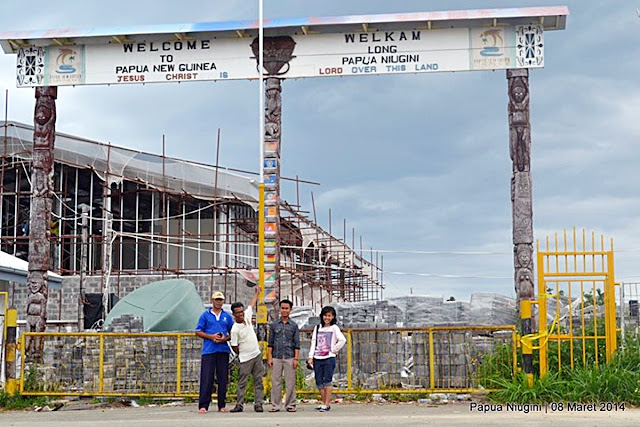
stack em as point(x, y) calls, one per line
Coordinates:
point(171, 216)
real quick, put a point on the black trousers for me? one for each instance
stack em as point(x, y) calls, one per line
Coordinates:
point(213, 364)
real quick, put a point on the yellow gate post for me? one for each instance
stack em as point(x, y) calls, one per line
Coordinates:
point(526, 340)
point(10, 350)
point(542, 310)
point(349, 360)
point(611, 330)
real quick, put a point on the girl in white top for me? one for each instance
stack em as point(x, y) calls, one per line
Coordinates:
point(326, 342)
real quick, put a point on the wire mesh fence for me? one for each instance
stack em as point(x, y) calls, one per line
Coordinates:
point(438, 358)
point(629, 309)
point(373, 360)
point(114, 364)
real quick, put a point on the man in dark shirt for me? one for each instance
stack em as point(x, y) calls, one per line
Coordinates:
point(282, 356)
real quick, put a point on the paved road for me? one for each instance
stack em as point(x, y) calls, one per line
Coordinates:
point(357, 414)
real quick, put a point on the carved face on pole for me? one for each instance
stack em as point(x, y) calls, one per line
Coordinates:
point(44, 117)
point(278, 51)
point(524, 279)
point(523, 256)
point(43, 114)
point(519, 92)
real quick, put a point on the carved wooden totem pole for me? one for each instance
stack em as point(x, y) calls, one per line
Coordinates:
point(521, 194)
point(278, 51)
point(40, 216)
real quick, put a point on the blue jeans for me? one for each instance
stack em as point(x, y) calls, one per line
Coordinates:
point(323, 369)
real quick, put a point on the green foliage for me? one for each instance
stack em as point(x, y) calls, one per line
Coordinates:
point(33, 380)
point(358, 397)
point(144, 400)
point(582, 352)
point(400, 397)
point(496, 366)
point(301, 372)
point(517, 390)
point(20, 402)
point(588, 298)
point(616, 382)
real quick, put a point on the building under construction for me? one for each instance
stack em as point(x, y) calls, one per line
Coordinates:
point(150, 217)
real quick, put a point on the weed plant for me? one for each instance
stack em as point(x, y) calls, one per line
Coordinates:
point(20, 402)
point(615, 382)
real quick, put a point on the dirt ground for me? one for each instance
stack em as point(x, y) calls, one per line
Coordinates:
point(360, 414)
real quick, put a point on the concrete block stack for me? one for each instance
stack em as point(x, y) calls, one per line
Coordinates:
point(419, 367)
point(452, 358)
point(304, 316)
point(161, 364)
point(456, 312)
point(370, 314)
point(126, 324)
point(91, 366)
point(356, 313)
point(424, 311)
point(191, 350)
point(121, 354)
point(389, 313)
point(492, 309)
point(53, 371)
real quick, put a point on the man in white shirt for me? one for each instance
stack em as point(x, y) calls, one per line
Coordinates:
point(245, 344)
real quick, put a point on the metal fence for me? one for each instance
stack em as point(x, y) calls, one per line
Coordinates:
point(437, 359)
point(113, 364)
point(576, 298)
point(629, 309)
point(416, 360)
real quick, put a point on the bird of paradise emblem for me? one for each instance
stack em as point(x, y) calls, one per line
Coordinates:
point(493, 42)
point(65, 61)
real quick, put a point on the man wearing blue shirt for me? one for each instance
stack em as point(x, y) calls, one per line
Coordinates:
point(214, 327)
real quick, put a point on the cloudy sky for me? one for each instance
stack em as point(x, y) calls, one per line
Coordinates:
point(417, 164)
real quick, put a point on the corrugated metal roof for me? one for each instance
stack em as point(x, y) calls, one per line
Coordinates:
point(177, 175)
point(550, 17)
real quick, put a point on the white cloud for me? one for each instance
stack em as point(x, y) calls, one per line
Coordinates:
point(412, 162)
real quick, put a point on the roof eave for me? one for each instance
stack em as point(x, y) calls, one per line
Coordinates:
point(551, 17)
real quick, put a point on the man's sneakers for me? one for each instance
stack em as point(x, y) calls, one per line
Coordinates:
point(323, 408)
point(236, 408)
point(258, 408)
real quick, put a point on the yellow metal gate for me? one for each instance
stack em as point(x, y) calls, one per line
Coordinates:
point(419, 360)
point(576, 298)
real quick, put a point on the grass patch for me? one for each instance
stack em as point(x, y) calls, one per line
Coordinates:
point(400, 397)
point(615, 382)
point(20, 402)
point(144, 400)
